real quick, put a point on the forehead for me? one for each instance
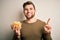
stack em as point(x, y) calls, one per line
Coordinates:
point(29, 6)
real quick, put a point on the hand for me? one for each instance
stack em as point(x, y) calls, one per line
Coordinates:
point(16, 30)
point(47, 27)
point(16, 26)
point(17, 33)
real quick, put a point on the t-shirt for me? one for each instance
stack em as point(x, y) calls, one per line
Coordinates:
point(33, 31)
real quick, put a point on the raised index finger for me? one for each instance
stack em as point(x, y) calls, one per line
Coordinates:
point(48, 21)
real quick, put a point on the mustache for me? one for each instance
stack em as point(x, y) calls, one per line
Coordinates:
point(29, 17)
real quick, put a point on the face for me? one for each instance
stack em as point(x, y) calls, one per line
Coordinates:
point(29, 11)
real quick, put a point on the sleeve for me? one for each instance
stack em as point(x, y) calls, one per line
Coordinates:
point(46, 36)
point(15, 37)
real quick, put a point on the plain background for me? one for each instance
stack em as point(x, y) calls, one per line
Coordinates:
point(11, 10)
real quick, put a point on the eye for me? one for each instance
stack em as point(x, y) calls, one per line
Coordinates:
point(30, 8)
point(25, 9)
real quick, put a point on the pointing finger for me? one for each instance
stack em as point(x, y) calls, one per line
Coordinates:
point(48, 21)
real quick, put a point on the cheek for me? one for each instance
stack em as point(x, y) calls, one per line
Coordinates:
point(33, 12)
point(25, 12)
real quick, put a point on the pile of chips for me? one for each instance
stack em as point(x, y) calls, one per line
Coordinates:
point(16, 25)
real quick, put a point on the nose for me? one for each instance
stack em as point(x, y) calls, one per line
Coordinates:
point(28, 11)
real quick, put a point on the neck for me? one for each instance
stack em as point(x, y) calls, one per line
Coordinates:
point(32, 20)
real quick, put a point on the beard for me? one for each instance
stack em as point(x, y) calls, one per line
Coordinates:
point(30, 17)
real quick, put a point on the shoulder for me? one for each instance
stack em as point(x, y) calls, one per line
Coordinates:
point(23, 22)
point(41, 22)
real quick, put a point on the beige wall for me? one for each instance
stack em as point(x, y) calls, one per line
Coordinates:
point(11, 10)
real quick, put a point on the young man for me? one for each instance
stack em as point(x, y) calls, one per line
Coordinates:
point(32, 28)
